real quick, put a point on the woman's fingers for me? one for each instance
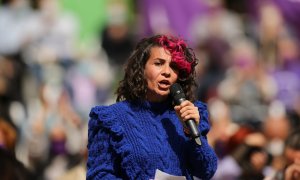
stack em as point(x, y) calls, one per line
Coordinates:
point(187, 110)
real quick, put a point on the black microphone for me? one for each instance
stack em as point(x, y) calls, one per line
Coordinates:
point(178, 97)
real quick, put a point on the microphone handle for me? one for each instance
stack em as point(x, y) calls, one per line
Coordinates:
point(193, 128)
point(190, 123)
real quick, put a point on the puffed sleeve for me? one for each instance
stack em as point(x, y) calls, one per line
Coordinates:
point(102, 161)
point(202, 158)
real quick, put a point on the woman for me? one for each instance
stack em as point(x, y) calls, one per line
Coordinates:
point(141, 135)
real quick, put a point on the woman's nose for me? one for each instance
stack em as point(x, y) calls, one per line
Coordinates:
point(166, 70)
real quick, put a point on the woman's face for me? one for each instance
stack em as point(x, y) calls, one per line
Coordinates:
point(160, 74)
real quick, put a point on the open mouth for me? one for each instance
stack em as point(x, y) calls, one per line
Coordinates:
point(165, 84)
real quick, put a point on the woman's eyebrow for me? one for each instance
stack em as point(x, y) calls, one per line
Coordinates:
point(160, 59)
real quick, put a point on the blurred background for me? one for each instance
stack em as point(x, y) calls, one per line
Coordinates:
point(59, 58)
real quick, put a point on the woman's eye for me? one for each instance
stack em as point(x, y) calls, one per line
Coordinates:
point(157, 63)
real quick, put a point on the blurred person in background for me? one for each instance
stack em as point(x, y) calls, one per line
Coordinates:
point(290, 11)
point(247, 158)
point(275, 34)
point(217, 22)
point(247, 88)
point(56, 140)
point(213, 33)
point(10, 166)
point(14, 15)
point(53, 136)
point(292, 154)
point(116, 38)
point(270, 27)
point(291, 169)
point(84, 85)
point(211, 71)
point(51, 39)
point(287, 76)
point(12, 104)
point(276, 128)
point(141, 135)
point(252, 157)
point(222, 128)
point(6, 73)
point(8, 137)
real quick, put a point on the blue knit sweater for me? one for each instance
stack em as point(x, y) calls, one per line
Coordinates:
point(131, 140)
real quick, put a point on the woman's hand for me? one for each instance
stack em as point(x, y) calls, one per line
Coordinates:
point(185, 111)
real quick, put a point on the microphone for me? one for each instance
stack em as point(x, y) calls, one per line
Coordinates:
point(178, 97)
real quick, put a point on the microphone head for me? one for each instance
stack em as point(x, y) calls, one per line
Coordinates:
point(175, 89)
point(177, 93)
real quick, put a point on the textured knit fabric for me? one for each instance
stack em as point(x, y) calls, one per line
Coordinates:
point(131, 140)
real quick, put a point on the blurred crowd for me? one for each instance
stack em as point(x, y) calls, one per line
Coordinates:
point(248, 74)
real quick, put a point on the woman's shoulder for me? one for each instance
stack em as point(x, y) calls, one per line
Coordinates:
point(105, 125)
point(112, 109)
point(107, 115)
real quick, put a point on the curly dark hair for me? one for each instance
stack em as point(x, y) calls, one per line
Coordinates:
point(134, 85)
